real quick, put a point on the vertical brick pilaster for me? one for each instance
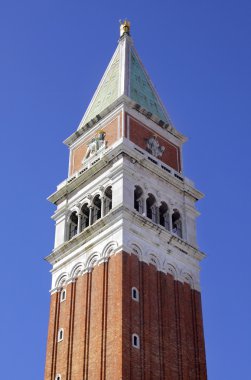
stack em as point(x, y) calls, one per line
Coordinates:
point(178, 329)
point(146, 311)
point(72, 291)
point(95, 337)
point(80, 311)
point(183, 325)
point(104, 321)
point(201, 372)
point(173, 334)
point(153, 323)
point(51, 350)
point(115, 332)
point(160, 326)
point(131, 314)
point(190, 333)
point(87, 325)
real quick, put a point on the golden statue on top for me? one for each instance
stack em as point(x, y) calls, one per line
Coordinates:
point(124, 27)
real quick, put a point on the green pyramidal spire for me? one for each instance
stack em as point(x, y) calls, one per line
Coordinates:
point(125, 76)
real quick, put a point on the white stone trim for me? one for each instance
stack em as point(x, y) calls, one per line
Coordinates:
point(60, 336)
point(63, 294)
point(130, 149)
point(76, 270)
point(163, 263)
point(136, 296)
point(137, 345)
point(61, 280)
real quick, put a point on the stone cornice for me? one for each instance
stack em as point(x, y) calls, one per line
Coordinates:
point(127, 102)
point(125, 147)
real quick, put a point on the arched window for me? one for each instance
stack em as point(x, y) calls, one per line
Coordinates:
point(164, 216)
point(96, 212)
point(63, 295)
point(58, 377)
point(85, 216)
point(176, 223)
point(60, 335)
point(135, 341)
point(138, 199)
point(151, 208)
point(108, 200)
point(73, 225)
point(135, 294)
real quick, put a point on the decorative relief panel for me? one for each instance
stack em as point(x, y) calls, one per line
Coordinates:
point(96, 144)
point(153, 146)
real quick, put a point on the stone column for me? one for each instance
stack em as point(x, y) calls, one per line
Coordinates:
point(90, 215)
point(102, 198)
point(79, 222)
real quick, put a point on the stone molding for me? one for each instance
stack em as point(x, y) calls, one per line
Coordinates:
point(88, 263)
point(167, 252)
point(124, 147)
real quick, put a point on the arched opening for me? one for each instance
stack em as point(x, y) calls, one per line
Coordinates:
point(164, 216)
point(138, 199)
point(85, 216)
point(135, 294)
point(176, 223)
point(73, 225)
point(108, 200)
point(96, 212)
point(63, 295)
point(151, 208)
point(60, 335)
point(135, 341)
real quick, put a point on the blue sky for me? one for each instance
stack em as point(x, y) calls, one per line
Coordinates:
point(53, 54)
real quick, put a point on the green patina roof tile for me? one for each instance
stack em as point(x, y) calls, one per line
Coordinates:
point(142, 92)
point(108, 91)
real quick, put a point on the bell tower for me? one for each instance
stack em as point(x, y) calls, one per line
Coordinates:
point(125, 293)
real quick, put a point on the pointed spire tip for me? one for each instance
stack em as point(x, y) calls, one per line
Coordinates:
point(125, 27)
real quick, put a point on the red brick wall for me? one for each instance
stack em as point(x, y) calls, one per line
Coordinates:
point(168, 319)
point(91, 318)
point(79, 329)
point(114, 319)
point(51, 339)
point(140, 133)
point(99, 317)
point(136, 132)
point(113, 131)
